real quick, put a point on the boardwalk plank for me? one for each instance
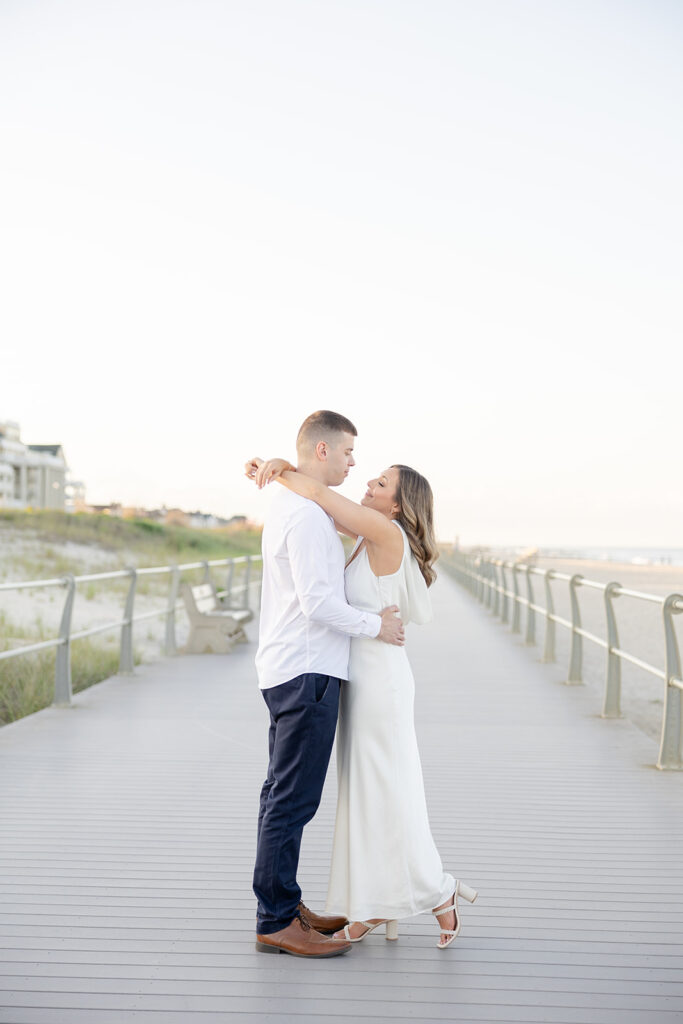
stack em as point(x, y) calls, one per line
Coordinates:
point(463, 972)
point(615, 992)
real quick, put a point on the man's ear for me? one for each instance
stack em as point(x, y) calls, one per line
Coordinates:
point(321, 450)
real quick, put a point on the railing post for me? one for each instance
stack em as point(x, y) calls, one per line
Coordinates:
point(530, 614)
point(126, 665)
point(515, 600)
point(228, 584)
point(496, 590)
point(170, 642)
point(489, 584)
point(612, 704)
point(576, 652)
point(247, 581)
point(207, 571)
point(63, 662)
point(549, 645)
point(670, 754)
point(505, 615)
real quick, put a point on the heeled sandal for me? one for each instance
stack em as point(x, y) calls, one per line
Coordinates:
point(391, 933)
point(467, 894)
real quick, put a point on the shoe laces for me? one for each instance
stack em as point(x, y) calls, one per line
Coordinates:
point(304, 923)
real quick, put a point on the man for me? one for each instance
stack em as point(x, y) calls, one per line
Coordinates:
point(302, 657)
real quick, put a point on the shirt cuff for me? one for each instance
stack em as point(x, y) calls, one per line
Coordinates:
point(374, 624)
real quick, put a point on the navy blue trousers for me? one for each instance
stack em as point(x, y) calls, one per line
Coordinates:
point(303, 719)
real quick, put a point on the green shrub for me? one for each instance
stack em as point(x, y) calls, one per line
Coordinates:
point(148, 526)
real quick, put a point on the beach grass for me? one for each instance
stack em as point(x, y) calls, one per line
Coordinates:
point(141, 542)
point(27, 683)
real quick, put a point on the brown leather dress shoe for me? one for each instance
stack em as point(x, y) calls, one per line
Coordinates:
point(299, 939)
point(325, 923)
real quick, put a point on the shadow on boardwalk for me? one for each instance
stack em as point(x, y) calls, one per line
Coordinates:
point(128, 834)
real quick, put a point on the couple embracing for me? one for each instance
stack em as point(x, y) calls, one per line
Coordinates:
point(332, 645)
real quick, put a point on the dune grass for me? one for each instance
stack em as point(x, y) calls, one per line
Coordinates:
point(27, 683)
point(140, 541)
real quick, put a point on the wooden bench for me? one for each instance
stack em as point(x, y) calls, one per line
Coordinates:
point(212, 627)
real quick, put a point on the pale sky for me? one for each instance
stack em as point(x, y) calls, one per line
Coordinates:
point(458, 223)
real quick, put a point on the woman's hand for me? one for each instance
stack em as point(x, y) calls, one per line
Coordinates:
point(251, 467)
point(267, 471)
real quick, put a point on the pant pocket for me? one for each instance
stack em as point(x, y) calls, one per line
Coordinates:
point(322, 687)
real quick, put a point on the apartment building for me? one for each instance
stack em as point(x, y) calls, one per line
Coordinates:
point(31, 475)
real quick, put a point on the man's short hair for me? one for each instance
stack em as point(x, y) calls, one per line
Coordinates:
point(322, 426)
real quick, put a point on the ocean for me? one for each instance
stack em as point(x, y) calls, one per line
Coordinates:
point(624, 555)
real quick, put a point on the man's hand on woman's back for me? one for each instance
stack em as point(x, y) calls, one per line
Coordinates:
point(391, 630)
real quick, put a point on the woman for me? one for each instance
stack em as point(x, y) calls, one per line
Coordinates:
point(385, 865)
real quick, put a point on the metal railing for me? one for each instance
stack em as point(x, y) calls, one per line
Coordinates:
point(496, 584)
point(62, 642)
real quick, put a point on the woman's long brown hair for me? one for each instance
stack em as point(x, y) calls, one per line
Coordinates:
point(416, 515)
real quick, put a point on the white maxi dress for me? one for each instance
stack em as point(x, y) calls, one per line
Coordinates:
point(384, 861)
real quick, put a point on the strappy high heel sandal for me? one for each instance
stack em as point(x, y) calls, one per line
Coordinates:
point(391, 934)
point(467, 894)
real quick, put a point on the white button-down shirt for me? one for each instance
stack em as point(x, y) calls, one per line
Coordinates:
point(305, 622)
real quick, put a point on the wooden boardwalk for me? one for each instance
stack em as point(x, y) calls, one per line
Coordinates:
point(127, 842)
